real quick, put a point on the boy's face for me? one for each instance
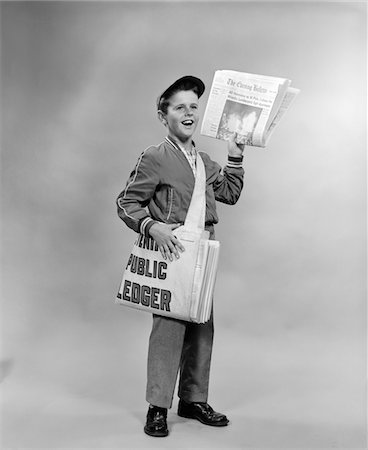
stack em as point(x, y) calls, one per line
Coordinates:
point(182, 115)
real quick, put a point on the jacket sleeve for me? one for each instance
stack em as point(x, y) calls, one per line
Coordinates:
point(139, 190)
point(227, 184)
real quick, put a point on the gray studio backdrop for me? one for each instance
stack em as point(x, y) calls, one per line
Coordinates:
point(79, 83)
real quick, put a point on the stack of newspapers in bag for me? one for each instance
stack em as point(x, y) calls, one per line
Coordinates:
point(204, 280)
point(181, 289)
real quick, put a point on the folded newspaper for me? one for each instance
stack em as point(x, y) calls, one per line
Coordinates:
point(246, 104)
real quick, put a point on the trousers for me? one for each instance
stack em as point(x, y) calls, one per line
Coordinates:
point(179, 346)
point(174, 346)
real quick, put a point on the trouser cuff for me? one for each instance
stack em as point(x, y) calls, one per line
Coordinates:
point(190, 397)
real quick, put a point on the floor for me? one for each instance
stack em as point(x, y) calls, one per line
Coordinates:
point(83, 389)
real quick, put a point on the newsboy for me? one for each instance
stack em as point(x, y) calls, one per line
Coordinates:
point(154, 202)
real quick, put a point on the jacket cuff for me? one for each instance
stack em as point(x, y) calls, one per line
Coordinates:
point(145, 225)
point(234, 161)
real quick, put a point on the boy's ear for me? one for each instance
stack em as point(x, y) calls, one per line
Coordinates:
point(161, 117)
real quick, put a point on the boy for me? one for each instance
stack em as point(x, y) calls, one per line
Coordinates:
point(155, 202)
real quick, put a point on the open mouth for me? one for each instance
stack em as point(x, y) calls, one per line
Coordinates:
point(188, 123)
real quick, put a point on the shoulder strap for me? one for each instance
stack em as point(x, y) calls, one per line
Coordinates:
point(195, 217)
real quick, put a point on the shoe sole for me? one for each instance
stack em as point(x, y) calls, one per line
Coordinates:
point(218, 424)
point(157, 433)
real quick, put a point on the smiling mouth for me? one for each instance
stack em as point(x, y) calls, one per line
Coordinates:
point(188, 122)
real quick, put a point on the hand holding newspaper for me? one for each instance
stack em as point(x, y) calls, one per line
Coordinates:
point(246, 104)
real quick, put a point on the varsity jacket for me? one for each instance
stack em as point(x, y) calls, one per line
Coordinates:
point(160, 187)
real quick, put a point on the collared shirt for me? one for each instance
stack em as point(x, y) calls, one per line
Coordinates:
point(190, 155)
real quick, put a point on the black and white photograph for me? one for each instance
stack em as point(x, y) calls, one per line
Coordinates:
point(162, 288)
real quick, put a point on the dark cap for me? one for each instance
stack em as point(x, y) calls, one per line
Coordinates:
point(189, 80)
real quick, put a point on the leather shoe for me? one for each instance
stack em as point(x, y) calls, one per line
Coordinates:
point(203, 412)
point(156, 424)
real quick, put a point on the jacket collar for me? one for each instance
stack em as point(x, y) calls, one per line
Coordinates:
point(170, 141)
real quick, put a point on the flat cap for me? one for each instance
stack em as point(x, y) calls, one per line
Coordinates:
point(187, 79)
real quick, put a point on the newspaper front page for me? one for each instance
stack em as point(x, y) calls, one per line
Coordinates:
point(249, 105)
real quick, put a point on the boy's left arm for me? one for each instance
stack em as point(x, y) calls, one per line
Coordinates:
point(228, 186)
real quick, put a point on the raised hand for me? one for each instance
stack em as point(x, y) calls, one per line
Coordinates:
point(233, 148)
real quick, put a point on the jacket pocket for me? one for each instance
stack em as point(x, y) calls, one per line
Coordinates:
point(170, 200)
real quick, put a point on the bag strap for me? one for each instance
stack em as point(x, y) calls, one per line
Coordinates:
point(195, 217)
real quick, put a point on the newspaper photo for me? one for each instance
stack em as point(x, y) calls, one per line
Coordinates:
point(246, 104)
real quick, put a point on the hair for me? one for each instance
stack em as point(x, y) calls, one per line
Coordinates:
point(184, 86)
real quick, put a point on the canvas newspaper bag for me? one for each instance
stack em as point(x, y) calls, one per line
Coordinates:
point(182, 288)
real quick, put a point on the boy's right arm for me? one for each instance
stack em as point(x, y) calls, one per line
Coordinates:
point(133, 200)
point(139, 190)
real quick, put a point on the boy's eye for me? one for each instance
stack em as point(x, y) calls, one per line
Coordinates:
point(182, 107)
